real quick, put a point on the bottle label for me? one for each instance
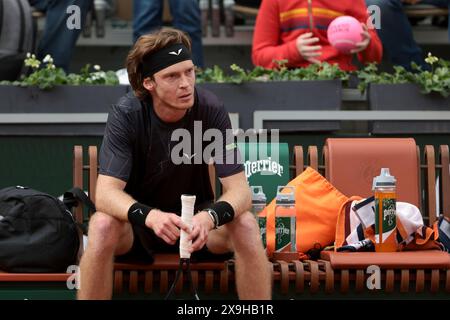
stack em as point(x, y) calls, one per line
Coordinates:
point(388, 211)
point(262, 229)
point(283, 234)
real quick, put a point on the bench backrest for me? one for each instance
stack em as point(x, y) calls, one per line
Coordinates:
point(351, 165)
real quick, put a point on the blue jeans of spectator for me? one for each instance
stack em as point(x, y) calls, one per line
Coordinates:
point(186, 17)
point(396, 32)
point(57, 39)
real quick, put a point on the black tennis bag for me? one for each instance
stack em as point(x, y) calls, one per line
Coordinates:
point(37, 232)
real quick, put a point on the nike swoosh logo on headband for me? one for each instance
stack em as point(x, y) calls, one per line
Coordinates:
point(176, 53)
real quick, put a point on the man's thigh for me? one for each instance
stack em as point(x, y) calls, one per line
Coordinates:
point(145, 243)
point(219, 241)
point(125, 241)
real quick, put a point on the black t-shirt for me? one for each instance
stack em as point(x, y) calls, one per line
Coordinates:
point(137, 148)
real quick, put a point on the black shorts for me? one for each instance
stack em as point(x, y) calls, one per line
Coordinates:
point(146, 243)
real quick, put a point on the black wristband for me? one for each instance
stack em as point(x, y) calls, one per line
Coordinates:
point(137, 213)
point(224, 212)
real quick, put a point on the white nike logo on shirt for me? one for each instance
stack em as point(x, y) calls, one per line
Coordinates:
point(189, 157)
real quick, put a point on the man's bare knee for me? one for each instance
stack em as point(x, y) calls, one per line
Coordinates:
point(105, 232)
point(244, 230)
point(219, 241)
point(245, 221)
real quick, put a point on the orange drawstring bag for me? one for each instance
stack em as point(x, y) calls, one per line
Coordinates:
point(317, 205)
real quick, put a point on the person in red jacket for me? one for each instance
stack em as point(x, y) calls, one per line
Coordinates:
point(296, 31)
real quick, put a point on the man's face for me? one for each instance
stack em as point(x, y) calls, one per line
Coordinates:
point(173, 87)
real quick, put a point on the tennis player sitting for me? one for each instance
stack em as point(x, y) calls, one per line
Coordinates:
point(141, 179)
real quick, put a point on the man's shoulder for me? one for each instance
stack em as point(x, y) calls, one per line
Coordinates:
point(128, 103)
point(208, 99)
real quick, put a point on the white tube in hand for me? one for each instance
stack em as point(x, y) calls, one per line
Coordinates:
point(187, 215)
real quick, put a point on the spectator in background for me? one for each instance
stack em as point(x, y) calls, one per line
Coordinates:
point(396, 32)
point(57, 39)
point(186, 17)
point(296, 30)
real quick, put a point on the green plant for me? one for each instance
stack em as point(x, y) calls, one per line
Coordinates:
point(370, 74)
point(435, 80)
point(49, 76)
point(214, 74)
point(323, 71)
point(86, 76)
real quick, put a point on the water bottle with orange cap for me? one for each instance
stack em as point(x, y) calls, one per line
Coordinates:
point(384, 187)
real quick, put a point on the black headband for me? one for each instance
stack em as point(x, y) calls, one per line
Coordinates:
point(164, 58)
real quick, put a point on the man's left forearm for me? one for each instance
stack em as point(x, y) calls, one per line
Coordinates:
point(239, 198)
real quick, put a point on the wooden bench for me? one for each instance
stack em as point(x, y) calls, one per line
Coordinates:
point(208, 276)
point(424, 10)
point(417, 10)
point(347, 164)
point(291, 278)
point(333, 274)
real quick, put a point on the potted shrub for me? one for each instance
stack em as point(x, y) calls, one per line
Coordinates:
point(317, 87)
point(426, 90)
point(51, 90)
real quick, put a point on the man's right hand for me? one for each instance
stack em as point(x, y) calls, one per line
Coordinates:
point(166, 225)
point(308, 51)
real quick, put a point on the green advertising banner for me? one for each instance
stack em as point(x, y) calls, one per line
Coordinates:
point(266, 165)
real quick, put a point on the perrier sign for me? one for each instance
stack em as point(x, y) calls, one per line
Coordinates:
point(388, 212)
